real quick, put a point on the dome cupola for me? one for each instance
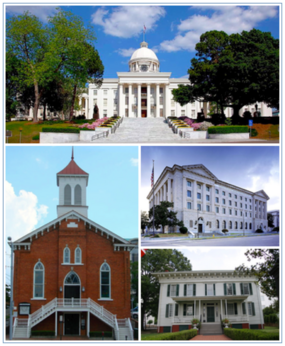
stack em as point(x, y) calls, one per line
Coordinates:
point(144, 60)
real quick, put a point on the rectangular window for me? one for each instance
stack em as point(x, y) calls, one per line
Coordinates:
point(126, 90)
point(207, 208)
point(246, 214)
point(104, 113)
point(235, 212)
point(250, 207)
point(115, 101)
point(105, 284)
point(105, 92)
point(245, 288)
point(245, 199)
point(169, 310)
point(183, 112)
point(241, 213)
point(224, 193)
point(230, 195)
point(199, 206)
point(217, 191)
point(235, 196)
point(210, 290)
point(230, 202)
point(174, 290)
point(207, 188)
point(231, 309)
point(250, 201)
point(240, 198)
point(224, 201)
point(246, 206)
point(192, 113)
point(235, 204)
point(161, 90)
point(173, 113)
point(208, 198)
point(217, 209)
point(152, 91)
point(188, 193)
point(188, 205)
point(199, 186)
point(189, 290)
point(249, 308)
point(210, 224)
point(217, 199)
point(198, 195)
point(240, 205)
point(105, 102)
point(224, 210)
point(230, 211)
point(188, 183)
point(95, 92)
point(172, 103)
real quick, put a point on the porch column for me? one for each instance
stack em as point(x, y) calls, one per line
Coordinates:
point(195, 309)
point(130, 101)
point(199, 308)
point(184, 194)
point(139, 101)
point(157, 100)
point(55, 327)
point(194, 197)
point(121, 100)
point(226, 307)
point(166, 101)
point(204, 197)
point(164, 192)
point(169, 190)
point(88, 323)
point(212, 197)
point(148, 100)
point(221, 309)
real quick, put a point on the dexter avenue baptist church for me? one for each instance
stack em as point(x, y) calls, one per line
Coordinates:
point(145, 92)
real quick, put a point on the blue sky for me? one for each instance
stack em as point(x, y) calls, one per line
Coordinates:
point(172, 31)
point(251, 167)
point(31, 192)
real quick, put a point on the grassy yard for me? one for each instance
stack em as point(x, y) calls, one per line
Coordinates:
point(266, 131)
point(30, 129)
point(270, 330)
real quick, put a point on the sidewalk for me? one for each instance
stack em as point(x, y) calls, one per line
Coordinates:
point(210, 337)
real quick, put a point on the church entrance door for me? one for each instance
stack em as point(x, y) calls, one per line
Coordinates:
point(144, 113)
point(200, 228)
point(71, 324)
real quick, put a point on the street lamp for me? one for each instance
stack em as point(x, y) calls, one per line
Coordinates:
point(11, 291)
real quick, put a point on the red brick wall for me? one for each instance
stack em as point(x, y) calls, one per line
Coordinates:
point(175, 329)
point(160, 330)
point(245, 326)
point(95, 249)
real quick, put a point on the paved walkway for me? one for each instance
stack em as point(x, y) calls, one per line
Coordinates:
point(210, 337)
point(154, 130)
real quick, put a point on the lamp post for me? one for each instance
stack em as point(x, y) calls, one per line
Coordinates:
point(11, 291)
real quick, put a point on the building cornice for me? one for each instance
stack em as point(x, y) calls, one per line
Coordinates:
point(203, 274)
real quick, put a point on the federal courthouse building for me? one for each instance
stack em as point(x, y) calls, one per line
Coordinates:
point(207, 204)
point(72, 275)
point(144, 91)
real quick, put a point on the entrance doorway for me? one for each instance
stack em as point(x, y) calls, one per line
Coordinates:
point(71, 324)
point(210, 314)
point(72, 285)
point(200, 228)
point(144, 113)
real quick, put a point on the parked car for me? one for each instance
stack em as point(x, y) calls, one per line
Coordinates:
point(135, 313)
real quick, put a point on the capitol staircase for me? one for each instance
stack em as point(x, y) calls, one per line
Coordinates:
point(211, 329)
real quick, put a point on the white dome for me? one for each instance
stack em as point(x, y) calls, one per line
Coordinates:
point(144, 53)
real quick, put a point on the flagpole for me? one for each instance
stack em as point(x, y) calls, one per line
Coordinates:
point(153, 200)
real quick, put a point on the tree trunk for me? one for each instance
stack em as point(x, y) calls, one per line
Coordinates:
point(37, 102)
point(142, 317)
point(72, 103)
point(44, 114)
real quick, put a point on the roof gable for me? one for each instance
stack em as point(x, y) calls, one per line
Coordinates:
point(200, 170)
point(261, 193)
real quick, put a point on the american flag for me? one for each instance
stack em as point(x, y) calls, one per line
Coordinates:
point(144, 28)
point(143, 251)
point(152, 177)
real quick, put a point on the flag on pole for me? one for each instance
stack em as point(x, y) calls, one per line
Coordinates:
point(143, 251)
point(152, 175)
point(144, 28)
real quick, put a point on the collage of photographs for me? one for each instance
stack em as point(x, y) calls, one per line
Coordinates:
point(142, 173)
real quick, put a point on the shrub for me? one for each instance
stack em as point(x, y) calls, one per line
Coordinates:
point(184, 335)
point(171, 117)
point(183, 230)
point(247, 115)
point(259, 230)
point(195, 321)
point(205, 125)
point(225, 230)
point(79, 117)
point(248, 334)
point(99, 334)
point(150, 322)
point(228, 129)
point(225, 321)
point(254, 133)
point(61, 129)
point(86, 129)
point(43, 333)
point(36, 137)
point(275, 229)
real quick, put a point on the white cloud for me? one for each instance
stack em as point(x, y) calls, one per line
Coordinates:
point(134, 162)
point(42, 12)
point(126, 52)
point(127, 21)
point(144, 203)
point(231, 19)
point(22, 212)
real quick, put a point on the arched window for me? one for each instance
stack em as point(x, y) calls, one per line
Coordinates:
point(236, 225)
point(77, 195)
point(105, 281)
point(39, 280)
point(224, 224)
point(67, 195)
point(66, 255)
point(77, 255)
point(250, 226)
point(72, 279)
point(218, 224)
point(230, 225)
point(246, 225)
point(241, 225)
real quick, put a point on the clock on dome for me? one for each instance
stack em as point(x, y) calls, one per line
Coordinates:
point(144, 68)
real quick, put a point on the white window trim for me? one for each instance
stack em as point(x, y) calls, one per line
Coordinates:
point(34, 284)
point(110, 295)
point(64, 255)
point(80, 259)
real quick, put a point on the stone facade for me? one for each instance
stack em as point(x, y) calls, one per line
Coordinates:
point(207, 204)
point(209, 296)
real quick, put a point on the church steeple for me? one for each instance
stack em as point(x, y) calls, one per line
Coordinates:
point(72, 182)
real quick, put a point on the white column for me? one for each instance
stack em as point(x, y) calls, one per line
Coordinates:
point(212, 196)
point(164, 191)
point(55, 327)
point(139, 101)
point(204, 197)
point(221, 309)
point(121, 101)
point(169, 189)
point(226, 306)
point(167, 100)
point(199, 308)
point(130, 101)
point(157, 100)
point(194, 207)
point(148, 101)
point(88, 323)
point(184, 193)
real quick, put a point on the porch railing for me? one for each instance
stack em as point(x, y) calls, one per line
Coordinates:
point(184, 319)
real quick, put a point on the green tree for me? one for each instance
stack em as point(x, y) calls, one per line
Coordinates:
point(158, 261)
point(262, 270)
point(8, 294)
point(234, 70)
point(164, 216)
point(144, 220)
point(270, 220)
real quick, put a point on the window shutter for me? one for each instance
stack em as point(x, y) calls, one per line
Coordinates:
point(253, 309)
point(250, 289)
point(166, 311)
point(234, 289)
point(168, 290)
point(241, 288)
point(176, 309)
point(214, 288)
point(185, 290)
point(177, 290)
point(205, 289)
point(194, 290)
point(243, 308)
point(184, 309)
point(235, 305)
point(225, 289)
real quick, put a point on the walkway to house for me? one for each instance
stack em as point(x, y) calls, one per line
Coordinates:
point(151, 130)
point(210, 337)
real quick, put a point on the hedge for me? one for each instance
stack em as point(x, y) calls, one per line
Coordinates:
point(99, 334)
point(85, 129)
point(184, 335)
point(43, 333)
point(228, 129)
point(61, 129)
point(248, 334)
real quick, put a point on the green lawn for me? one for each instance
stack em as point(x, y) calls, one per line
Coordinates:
point(270, 330)
point(30, 129)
